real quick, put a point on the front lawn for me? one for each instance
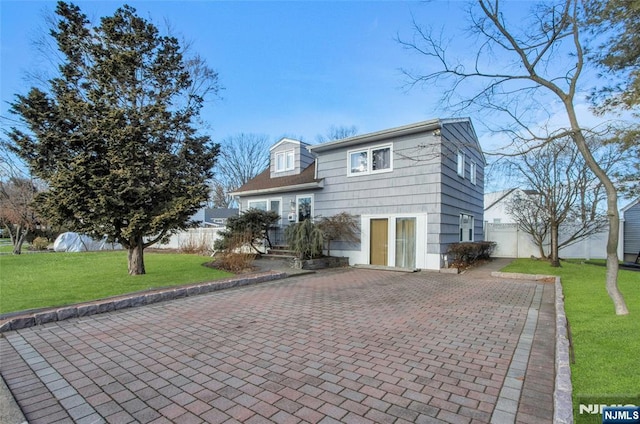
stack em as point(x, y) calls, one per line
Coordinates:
point(40, 280)
point(607, 347)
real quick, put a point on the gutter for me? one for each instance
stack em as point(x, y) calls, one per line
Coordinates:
point(379, 135)
point(305, 186)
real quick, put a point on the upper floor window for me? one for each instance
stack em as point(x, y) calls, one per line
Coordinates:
point(370, 160)
point(284, 161)
point(461, 163)
point(472, 172)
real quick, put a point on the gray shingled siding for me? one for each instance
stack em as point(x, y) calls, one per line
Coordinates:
point(458, 195)
point(423, 183)
point(302, 157)
point(285, 208)
point(408, 188)
point(416, 184)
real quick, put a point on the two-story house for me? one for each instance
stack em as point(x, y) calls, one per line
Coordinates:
point(415, 189)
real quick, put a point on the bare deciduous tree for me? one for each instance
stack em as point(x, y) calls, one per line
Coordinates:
point(241, 158)
point(519, 72)
point(337, 133)
point(564, 195)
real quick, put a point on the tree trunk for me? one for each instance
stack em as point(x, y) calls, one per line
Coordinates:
point(612, 213)
point(540, 243)
point(18, 239)
point(554, 256)
point(613, 265)
point(17, 248)
point(136, 257)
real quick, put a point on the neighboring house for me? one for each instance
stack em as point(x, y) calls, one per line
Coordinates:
point(631, 231)
point(211, 221)
point(415, 189)
point(217, 217)
point(496, 205)
point(213, 217)
point(513, 242)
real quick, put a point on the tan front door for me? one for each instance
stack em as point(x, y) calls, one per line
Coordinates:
point(379, 241)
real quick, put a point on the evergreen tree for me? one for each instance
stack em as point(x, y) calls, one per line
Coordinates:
point(618, 22)
point(114, 137)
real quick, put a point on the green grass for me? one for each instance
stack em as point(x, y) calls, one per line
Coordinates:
point(39, 280)
point(606, 346)
point(7, 247)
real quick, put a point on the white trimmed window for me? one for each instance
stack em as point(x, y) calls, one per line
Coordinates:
point(461, 163)
point(284, 161)
point(305, 207)
point(370, 161)
point(274, 205)
point(472, 172)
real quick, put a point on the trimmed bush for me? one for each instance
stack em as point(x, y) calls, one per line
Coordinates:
point(40, 243)
point(234, 259)
point(466, 253)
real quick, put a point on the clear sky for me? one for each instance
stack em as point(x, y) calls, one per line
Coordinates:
point(292, 68)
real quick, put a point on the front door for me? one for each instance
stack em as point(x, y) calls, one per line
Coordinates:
point(379, 241)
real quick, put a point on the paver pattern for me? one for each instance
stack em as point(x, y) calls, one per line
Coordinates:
point(351, 346)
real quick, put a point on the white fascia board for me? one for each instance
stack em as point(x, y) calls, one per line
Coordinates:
point(285, 140)
point(305, 186)
point(377, 136)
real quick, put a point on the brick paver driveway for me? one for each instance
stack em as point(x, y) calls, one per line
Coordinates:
point(351, 345)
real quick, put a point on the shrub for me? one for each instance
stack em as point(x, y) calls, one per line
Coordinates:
point(233, 259)
point(305, 238)
point(40, 243)
point(200, 244)
point(466, 253)
point(254, 222)
point(342, 226)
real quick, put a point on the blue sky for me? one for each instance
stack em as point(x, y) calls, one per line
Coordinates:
point(287, 68)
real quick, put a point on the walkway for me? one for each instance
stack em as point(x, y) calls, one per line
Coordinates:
point(348, 345)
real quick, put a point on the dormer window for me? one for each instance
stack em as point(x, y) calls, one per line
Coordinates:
point(284, 161)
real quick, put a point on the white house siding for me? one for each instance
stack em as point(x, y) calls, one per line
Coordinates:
point(496, 206)
point(631, 227)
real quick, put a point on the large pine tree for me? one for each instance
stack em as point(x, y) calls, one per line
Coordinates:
point(114, 135)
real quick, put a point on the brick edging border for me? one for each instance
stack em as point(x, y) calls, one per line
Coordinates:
point(44, 316)
point(562, 393)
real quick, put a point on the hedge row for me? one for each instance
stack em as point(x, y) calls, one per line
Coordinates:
point(466, 253)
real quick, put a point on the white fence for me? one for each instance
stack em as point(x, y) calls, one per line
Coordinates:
point(515, 243)
point(193, 238)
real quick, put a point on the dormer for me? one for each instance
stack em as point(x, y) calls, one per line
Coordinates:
point(289, 157)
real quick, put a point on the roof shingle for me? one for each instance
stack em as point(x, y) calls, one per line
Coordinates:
point(264, 181)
